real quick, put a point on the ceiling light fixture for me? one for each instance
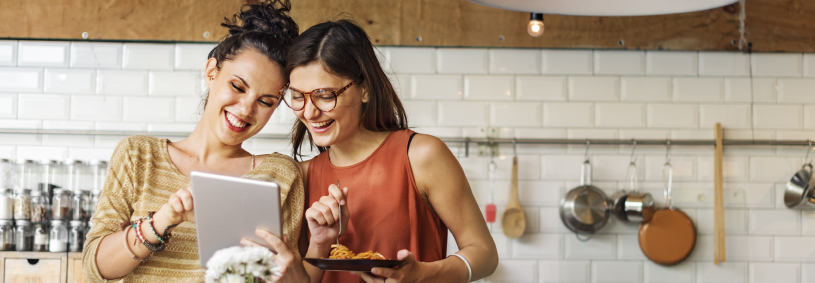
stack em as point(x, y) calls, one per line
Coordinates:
point(535, 27)
point(605, 7)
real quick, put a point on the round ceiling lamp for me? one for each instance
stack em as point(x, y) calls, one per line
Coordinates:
point(605, 7)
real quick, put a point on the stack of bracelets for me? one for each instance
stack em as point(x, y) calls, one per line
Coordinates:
point(163, 240)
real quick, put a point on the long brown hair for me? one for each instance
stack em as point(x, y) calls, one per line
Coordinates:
point(345, 50)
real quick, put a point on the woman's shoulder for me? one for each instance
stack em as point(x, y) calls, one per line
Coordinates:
point(138, 146)
point(278, 164)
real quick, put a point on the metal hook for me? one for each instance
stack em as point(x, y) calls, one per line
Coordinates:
point(514, 148)
point(809, 148)
point(466, 147)
point(633, 149)
point(667, 153)
point(586, 155)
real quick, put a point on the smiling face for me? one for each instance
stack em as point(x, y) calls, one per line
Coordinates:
point(343, 121)
point(243, 94)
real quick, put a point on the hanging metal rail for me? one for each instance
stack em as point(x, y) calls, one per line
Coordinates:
point(710, 142)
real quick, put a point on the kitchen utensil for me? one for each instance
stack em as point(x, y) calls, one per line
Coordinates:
point(340, 227)
point(513, 223)
point(585, 209)
point(331, 264)
point(633, 206)
point(799, 192)
point(669, 238)
point(489, 210)
point(718, 200)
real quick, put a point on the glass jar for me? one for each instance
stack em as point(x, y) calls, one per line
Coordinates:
point(23, 236)
point(61, 204)
point(7, 174)
point(52, 176)
point(28, 174)
point(39, 207)
point(40, 237)
point(94, 199)
point(22, 205)
point(76, 236)
point(88, 229)
point(98, 173)
point(58, 237)
point(76, 175)
point(7, 204)
point(6, 235)
point(79, 204)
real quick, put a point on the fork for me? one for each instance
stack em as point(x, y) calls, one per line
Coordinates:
point(340, 227)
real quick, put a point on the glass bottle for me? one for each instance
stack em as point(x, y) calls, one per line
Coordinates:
point(40, 237)
point(22, 205)
point(6, 235)
point(58, 237)
point(24, 236)
point(7, 204)
point(79, 202)
point(61, 204)
point(76, 237)
point(39, 207)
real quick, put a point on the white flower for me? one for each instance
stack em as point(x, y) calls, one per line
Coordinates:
point(231, 264)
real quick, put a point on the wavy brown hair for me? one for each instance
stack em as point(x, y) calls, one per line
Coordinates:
point(345, 50)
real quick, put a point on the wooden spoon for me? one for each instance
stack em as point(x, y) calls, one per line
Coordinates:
point(513, 222)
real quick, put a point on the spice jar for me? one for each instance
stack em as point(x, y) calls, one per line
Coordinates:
point(23, 236)
point(7, 174)
point(6, 235)
point(76, 175)
point(79, 204)
point(22, 205)
point(7, 204)
point(58, 237)
point(61, 204)
point(76, 237)
point(39, 207)
point(40, 237)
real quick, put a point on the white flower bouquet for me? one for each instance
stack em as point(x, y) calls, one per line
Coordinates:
point(242, 265)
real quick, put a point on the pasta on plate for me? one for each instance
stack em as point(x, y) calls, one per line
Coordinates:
point(342, 252)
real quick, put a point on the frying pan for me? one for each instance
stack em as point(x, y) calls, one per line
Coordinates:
point(584, 210)
point(669, 238)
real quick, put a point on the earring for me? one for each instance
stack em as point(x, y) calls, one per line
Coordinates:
point(211, 79)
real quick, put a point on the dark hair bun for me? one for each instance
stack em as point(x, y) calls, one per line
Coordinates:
point(270, 17)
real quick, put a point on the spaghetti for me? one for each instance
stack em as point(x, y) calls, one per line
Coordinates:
point(342, 252)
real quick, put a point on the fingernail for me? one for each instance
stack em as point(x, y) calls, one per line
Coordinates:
point(342, 202)
point(257, 232)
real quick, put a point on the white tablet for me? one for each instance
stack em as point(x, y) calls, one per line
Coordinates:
point(228, 209)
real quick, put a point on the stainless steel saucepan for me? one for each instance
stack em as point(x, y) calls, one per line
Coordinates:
point(584, 210)
point(799, 192)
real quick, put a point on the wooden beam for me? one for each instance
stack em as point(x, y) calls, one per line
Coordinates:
point(771, 25)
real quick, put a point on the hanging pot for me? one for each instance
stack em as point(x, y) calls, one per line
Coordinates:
point(584, 210)
point(669, 238)
point(633, 206)
point(799, 192)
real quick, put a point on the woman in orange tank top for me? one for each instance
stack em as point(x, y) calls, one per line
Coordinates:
point(401, 191)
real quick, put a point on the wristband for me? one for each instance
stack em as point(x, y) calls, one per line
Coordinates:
point(147, 244)
point(469, 269)
point(127, 247)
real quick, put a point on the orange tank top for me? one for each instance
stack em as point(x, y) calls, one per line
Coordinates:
point(387, 211)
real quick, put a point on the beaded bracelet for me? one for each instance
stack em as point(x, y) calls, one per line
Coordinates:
point(153, 228)
point(150, 246)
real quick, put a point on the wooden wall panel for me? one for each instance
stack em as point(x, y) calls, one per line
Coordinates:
point(771, 25)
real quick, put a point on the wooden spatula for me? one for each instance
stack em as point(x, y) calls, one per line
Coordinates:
point(513, 222)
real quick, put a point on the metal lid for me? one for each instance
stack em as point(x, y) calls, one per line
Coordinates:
point(6, 160)
point(49, 161)
point(56, 222)
point(96, 162)
point(22, 222)
point(37, 193)
point(71, 161)
point(4, 222)
point(77, 223)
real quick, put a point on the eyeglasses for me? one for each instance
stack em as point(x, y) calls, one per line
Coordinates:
point(323, 99)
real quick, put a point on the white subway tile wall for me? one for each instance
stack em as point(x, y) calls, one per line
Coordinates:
point(524, 93)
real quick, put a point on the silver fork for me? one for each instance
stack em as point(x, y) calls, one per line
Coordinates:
point(340, 227)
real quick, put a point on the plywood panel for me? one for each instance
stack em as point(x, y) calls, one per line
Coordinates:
point(772, 25)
